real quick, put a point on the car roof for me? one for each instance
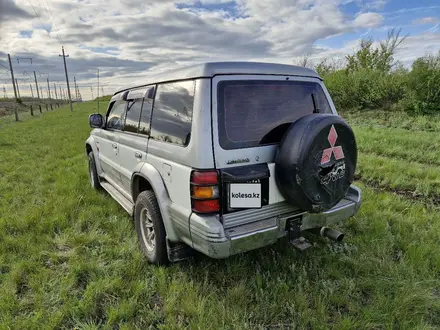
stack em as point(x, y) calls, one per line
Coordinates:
point(211, 69)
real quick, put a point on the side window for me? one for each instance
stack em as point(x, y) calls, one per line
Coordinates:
point(134, 108)
point(172, 112)
point(144, 124)
point(115, 119)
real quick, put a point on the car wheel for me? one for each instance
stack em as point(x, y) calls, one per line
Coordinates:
point(93, 173)
point(150, 228)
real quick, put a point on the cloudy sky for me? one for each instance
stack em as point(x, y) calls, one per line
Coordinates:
point(127, 38)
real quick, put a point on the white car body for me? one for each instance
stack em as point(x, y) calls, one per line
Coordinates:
point(129, 162)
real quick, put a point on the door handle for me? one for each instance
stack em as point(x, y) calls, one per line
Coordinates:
point(114, 145)
point(138, 155)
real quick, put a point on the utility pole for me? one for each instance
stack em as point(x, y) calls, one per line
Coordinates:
point(18, 89)
point(91, 88)
point(4, 92)
point(48, 87)
point(76, 90)
point(98, 90)
point(36, 85)
point(55, 88)
point(67, 77)
point(32, 91)
point(13, 84)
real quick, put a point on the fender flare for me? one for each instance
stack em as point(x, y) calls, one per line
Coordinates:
point(153, 177)
point(90, 142)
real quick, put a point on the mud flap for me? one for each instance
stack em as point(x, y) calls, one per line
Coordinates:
point(179, 251)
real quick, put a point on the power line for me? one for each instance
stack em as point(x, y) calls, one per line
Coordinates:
point(27, 74)
point(42, 25)
point(46, 5)
point(23, 58)
point(5, 67)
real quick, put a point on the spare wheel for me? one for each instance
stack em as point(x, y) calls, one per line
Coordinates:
point(316, 162)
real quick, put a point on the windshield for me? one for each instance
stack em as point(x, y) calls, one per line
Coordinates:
point(257, 112)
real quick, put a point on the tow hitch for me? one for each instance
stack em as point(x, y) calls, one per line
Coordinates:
point(294, 232)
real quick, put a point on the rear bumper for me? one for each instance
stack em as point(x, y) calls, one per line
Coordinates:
point(237, 235)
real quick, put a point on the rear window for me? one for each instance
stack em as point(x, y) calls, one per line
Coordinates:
point(252, 113)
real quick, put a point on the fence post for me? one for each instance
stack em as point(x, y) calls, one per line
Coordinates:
point(32, 111)
point(40, 108)
point(51, 107)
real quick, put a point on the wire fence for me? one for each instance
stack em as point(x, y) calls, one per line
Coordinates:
point(24, 88)
point(28, 105)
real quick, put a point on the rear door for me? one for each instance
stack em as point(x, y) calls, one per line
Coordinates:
point(133, 141)
point(250, 115)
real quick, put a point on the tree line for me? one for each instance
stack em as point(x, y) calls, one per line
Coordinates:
point(371, 78)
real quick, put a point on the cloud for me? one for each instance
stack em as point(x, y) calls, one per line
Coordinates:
point(10, 11)
point(374, 5)
point(417, 46)
point(127, 39)
point(368, 20)
point(426, 20)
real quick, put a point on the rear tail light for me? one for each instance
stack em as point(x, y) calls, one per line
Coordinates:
point(206, 206)
point(205, 193)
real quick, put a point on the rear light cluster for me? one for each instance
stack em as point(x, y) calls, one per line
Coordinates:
point(205, 191)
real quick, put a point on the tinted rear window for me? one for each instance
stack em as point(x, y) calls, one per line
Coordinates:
point(132, 115)
point(258, 112)
point(172, 112)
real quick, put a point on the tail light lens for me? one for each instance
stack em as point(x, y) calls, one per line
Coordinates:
point(206, 206)
point(205, 191)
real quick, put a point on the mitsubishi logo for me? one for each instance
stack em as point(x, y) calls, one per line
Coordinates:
point(337, 151)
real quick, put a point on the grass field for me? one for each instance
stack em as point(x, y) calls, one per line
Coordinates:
point(69, 256)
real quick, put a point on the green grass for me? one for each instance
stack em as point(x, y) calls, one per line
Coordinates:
point(421, 147)
point(400, 159)
point(400, 174)
point(393, 119)
point(69, 255)
point(105, 98)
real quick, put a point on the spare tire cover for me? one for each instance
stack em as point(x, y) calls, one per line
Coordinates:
point(316, 162)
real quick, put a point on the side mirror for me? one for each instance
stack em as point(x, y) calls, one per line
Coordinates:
point(96, 120)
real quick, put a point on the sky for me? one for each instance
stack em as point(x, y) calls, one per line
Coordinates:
point(128, 39)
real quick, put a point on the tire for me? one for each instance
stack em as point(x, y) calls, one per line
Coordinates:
point(316, 162)
point(150, 228)
point(93, 173)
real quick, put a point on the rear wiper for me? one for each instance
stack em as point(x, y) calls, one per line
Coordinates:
point(315, 104)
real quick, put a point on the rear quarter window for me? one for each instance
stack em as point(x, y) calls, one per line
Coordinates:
point(252, 113)
point(133, 113)
point(172, 112)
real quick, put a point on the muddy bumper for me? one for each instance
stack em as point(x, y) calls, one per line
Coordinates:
point(254, 228)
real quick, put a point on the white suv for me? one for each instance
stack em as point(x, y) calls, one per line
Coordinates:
point(224, 158)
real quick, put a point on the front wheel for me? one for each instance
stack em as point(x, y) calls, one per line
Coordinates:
point(150, 228)
point(93, 173)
